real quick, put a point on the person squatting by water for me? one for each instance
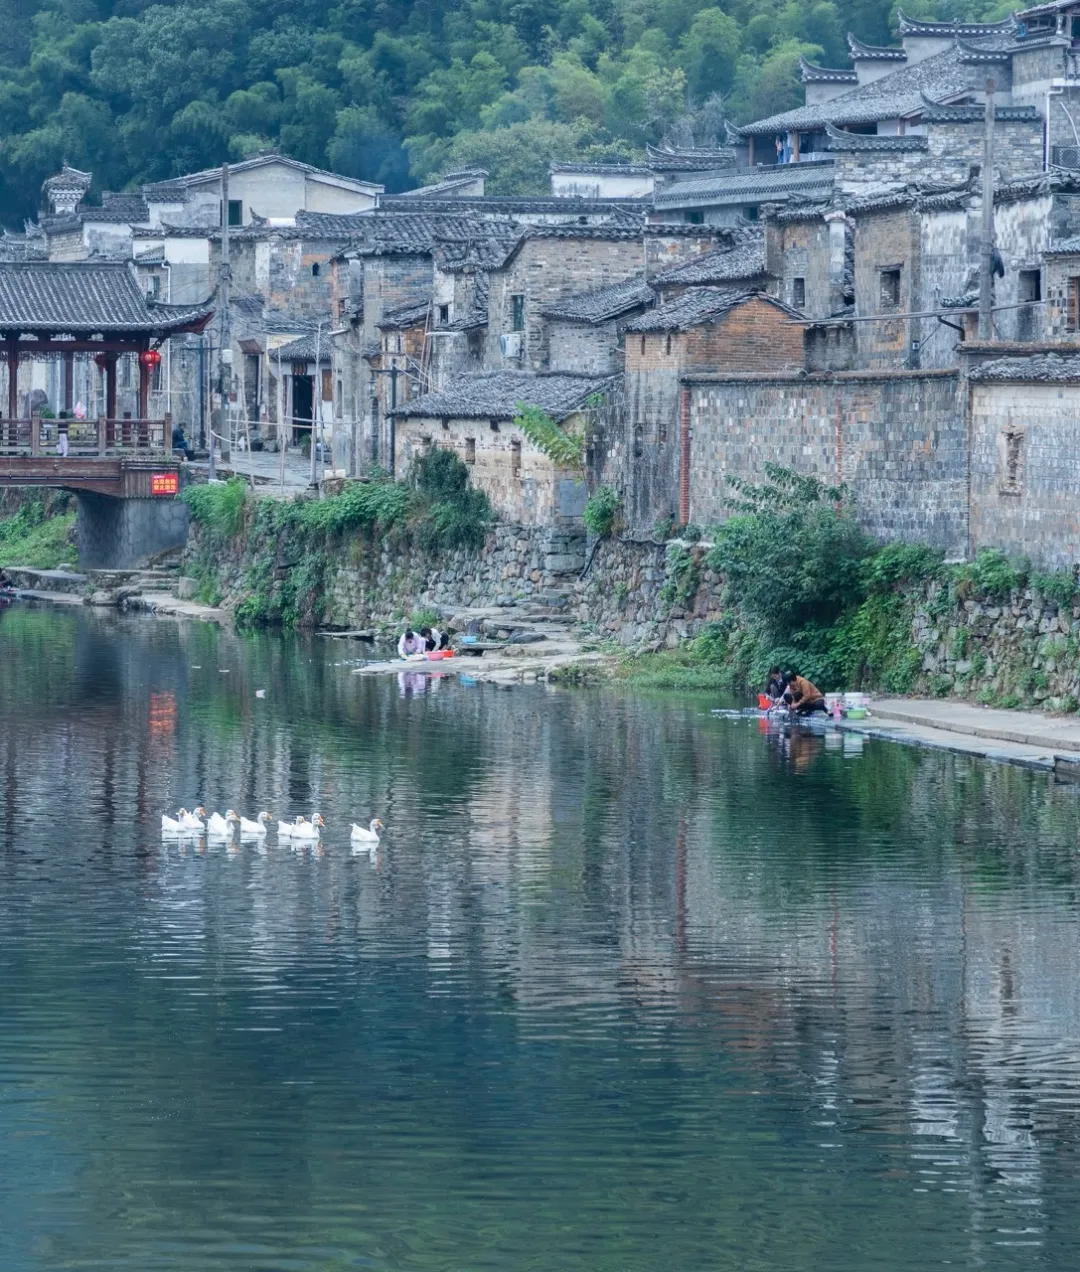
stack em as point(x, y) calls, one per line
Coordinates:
point(775, 685)
point(434, 639)
point(802, 696)
point(411, 643)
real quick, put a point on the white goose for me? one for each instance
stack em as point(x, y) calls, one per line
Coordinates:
point(173, 825)
point(301, 828)
point(221, 827)
point(255, 829)
point(370, 836)
point(192, 821)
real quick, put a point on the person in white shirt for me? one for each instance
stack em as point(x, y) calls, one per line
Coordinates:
point(411, 643)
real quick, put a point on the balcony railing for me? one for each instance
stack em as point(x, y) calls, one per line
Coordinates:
point(86, 439)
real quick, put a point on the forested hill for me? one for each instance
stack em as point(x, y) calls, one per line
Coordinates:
point(397, 90)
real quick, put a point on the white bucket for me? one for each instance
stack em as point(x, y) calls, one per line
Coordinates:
point(831, 699)
point(856, 699)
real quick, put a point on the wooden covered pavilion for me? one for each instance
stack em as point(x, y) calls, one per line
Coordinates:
point(65, 309)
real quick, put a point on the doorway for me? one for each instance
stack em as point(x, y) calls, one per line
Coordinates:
point(303, 397)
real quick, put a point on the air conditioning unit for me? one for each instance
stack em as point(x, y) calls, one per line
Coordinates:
point(510, 344)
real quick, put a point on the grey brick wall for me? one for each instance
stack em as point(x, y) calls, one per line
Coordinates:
point(898, 441)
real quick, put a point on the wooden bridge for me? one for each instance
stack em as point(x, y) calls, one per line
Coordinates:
point(128, 459)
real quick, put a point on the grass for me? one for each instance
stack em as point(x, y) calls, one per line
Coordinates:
point(674, 669)
point(42, 545)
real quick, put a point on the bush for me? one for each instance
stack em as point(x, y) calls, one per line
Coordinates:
point(218, 507)
point(899, 563)
point(602, 511)
point(992, 575)
point(360, 506)
point(453, 513)
point(1058, 587)
point(792, 556)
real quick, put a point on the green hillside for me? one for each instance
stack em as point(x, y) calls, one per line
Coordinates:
point(397, 91)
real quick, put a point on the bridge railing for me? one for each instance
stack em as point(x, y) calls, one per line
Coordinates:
point(86, 439)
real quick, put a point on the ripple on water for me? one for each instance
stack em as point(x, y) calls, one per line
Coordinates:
point(626, 986)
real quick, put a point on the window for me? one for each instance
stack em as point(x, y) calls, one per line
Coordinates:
point(695, 217)
point(315, 271)
point(445, 423)
point(444, 314)
point(639, 441)
point(1072, 315)
point(643, 345)
point(236, 212)
point(890, 287)
point(153, 286)
point(494, 425)
point(517, 307)
point(327, 385)
point(515, 459)
point(470, 450)
point(798, 293)
point(1012, 456)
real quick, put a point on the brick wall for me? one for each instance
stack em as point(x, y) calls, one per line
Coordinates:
point(885, 240)
point(898, 440)
point(523, 485)
point(800, 249)
point(1025, 470)
point(584, 347)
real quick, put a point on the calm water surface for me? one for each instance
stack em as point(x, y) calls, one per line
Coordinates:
point(627, 986)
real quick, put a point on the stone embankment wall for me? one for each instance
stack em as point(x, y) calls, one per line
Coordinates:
point(1017, 652)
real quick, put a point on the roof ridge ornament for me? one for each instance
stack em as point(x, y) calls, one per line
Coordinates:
point(874, 52)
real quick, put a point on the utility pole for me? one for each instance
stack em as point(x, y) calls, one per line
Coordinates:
point(393, 417)
point(986, 264)
point(225, 352)
point(316, 404)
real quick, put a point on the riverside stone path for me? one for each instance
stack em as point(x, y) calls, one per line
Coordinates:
point(1016, 737)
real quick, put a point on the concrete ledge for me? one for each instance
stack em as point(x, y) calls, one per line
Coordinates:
point(1024, 728)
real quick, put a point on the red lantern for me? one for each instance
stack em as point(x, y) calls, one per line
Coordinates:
point(150, 358)
point(101, 360)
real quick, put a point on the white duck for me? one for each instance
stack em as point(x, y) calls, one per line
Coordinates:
point(254, 829)
point(192, 821)
point(301, 828)
point(370, 836)
point(221, 827)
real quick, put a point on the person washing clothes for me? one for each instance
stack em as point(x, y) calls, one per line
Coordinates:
point(434, 638)
point(802, 696)
point(775, 685)
point(411, 643)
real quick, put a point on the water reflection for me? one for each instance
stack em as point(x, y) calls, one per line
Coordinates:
point(626, 986)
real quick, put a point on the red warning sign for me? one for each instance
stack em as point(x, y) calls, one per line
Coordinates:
point(164, 483)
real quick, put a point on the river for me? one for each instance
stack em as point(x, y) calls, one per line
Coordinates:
point(627, 986)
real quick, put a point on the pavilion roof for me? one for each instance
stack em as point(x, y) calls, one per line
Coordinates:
point(86, 298)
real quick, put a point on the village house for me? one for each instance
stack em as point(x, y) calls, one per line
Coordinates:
point(474, 416)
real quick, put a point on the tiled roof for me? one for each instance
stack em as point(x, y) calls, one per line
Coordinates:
point(484, 251)
point(1064, 247)
point(173, 191)
point(874, 52)
point(68, 178)
point(772, 184)
point(303, 350)
point(407, 232)
point(127, 209)
point(477, 313)
point(603, 304)
point(265, 160)
point(498, 395)
point(743, 261)
point(22, 247)
point(985, 51)
point(943, 30)
point(152, 256)
point(604, 169)
point(407, 316)
point(898, 94)
point(451, 182)
point(700, 305)
point(1041, 10)
point(492, 206)
point(84, 297)
point(812, 74)
point(1045, 366)
point(686, 159)
point(975, 113)
point(838, 139)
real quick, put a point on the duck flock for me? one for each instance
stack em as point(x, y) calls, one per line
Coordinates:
point(191, 825)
